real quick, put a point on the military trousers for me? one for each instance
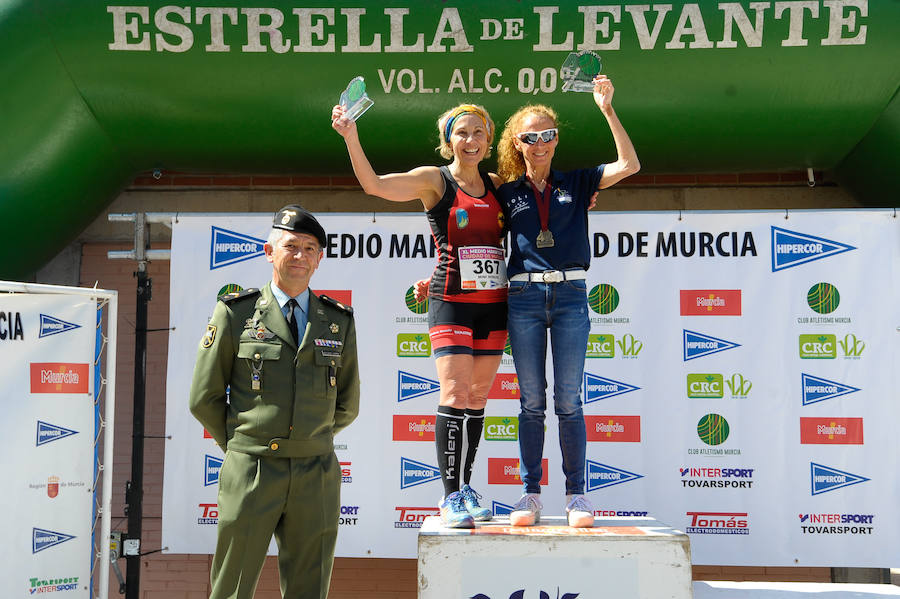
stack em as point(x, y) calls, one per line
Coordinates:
point(297, 500)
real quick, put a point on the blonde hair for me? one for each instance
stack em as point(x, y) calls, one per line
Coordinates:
point(510, 163)
point(444, 146)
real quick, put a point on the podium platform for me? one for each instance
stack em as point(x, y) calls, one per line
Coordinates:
point(624, 558)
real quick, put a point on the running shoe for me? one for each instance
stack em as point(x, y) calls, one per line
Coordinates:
point(471, 497)
point(454, 513)
point(527, 510)
point(579, 511)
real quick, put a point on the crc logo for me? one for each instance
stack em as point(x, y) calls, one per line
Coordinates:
point(705, 386)
point(45, 539)
point(48, 433)
point(412, 517)
point(815, 389)
point(851, 346)
point(603, 475)
point(823, 298)
point(501, 428)
point(601, 346)
point(413, 473)
point(713, 429)
point(825, 478)
point(598, 387)
point(831, 431)
point(818, 347)
point(51, 326)
point(698, 345)
point(718, 523)
point(211, 468)
point(346, 475)
point(410, 386)
point(228, 247)
point(413, 345)
point(209, 513)
point(414, 427)
point(790, 248)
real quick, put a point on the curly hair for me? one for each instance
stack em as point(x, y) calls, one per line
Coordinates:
point(510, 163)
point(444, 146)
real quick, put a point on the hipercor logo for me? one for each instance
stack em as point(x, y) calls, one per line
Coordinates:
point(54, 326)
point(598, 387)
point(48, 433)
point(816, 389)
point(501, 509)
point(505, 386)
point(211, 468)
point(613, 429)
point(414, 473)
point(710, 302)
point(790, 248)
point(59, 377)
point(603, 475)
point(228, 247)
point(697, 345)
point(45, 539)
point(410, 386)
point(506, 471)
point(831, 431)
point(824, 478)
point(411, 427)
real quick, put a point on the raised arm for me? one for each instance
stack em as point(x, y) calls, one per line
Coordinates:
point(627, 162)
point(422, 183)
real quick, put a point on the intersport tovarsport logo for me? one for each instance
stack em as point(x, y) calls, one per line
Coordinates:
point(790, 248)
point(229, 247)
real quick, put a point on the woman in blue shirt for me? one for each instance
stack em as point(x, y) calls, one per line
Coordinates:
point(546, 212)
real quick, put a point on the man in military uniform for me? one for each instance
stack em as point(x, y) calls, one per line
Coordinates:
point(276, 378)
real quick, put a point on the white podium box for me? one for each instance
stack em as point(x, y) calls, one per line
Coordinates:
point(624, 558)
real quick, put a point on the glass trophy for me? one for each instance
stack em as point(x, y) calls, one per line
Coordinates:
point(354, 99)
point(578, 71)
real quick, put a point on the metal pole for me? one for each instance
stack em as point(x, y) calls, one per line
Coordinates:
point(134, 492)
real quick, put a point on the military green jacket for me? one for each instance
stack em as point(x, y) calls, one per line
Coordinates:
point(256, 392)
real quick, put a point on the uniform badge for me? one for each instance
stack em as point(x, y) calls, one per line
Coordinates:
point(334, 328)
point(209, 336)
point(288, 215)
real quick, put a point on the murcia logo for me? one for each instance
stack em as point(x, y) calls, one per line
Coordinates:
point(710, 302)
point(790, 248)
point(47, 433)
point(211, 468)
point(59, 377)
point(505, 386)
point(55, 326)
point(227, 248)
point(414, 473)
point(410, 386)
point(613, 429)
point(831, 431)
point(816, 389)
point(602, 475)
point(824, 479)
point(598, 387)
point(410, 427)
point(698, 345)
point(45, 539)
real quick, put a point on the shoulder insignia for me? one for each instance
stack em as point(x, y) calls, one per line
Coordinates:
point(231, 297)
point(339, 305)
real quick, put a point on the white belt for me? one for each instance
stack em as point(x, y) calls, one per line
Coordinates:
point(550, 276)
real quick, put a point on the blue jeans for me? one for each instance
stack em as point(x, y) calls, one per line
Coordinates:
point(562, 308)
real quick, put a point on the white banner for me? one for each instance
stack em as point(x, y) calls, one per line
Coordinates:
point(738, 382)
point(47, 347)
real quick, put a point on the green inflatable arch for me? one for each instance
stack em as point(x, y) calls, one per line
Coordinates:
point(96, 92)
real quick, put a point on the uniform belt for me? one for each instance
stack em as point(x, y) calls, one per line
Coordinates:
point(280, 447)
point(550, 276)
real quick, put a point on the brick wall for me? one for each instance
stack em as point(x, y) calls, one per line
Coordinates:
point(168, 576)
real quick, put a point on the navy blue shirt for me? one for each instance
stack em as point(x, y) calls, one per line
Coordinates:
point(569, 201)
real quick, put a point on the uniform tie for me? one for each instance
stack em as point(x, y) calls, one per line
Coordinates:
point(292, 320)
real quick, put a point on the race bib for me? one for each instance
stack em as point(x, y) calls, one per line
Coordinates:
point(482, 267)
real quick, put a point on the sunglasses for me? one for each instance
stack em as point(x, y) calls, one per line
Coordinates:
point(531, 137)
